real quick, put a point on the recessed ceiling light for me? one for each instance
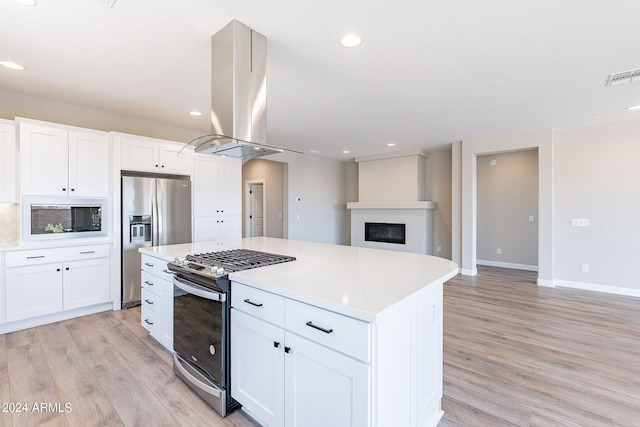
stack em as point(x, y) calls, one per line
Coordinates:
point(12, 65)
point(27, 2)
point(634, 108)
point(346, 151)
point(195, 113)
point(391, 144)
point(350, 40)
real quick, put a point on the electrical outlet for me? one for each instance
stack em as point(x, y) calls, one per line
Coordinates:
point(499, 251)
point(585, 268)
point(439, 248)
point(579, 222)
point(530, 218)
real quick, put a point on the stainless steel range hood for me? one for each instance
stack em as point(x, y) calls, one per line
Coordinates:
point(238, 95)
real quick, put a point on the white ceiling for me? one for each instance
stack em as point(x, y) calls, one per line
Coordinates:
point(428, 73)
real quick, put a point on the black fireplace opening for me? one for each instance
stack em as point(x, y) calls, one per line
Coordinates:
point(383, 232)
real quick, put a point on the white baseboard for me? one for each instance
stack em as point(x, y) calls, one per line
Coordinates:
point(598, 288)
point(507, 265)
point(546, 283)
point(467, 272)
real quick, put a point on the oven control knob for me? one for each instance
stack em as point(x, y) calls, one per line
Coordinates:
point(220, 271)
point(212, 350)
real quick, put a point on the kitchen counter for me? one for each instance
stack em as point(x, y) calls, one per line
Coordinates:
point(358, 282)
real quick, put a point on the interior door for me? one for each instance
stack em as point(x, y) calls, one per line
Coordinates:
point(257, 209)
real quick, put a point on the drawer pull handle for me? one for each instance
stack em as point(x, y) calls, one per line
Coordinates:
point(87, 252)
point(148, 283)
point(148, 265)
point(326, 331)
point(276, 344)
point(166, 271)
point(148, 302)
point(248, 301)
point(35, 257)
point(287, 349)
point(147, 322)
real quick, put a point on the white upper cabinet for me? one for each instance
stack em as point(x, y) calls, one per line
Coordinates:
point(143, 154)
point(217, 186)
point(56, 161)
point(7, 162)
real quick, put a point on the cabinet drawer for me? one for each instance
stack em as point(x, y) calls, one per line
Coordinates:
point(342, 333)
point(86, 252)
point(151, 301)
point(150, 320)
point(45, 256)
point(153, 283)
point(261, 304)
point(32, 257)
point(156, 266)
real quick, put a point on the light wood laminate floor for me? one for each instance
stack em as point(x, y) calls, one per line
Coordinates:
point(515, 354)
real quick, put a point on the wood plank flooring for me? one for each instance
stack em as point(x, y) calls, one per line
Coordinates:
point(108, 372)
point(515, 354)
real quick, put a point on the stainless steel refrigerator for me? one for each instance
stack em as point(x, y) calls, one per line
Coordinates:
point(156, 210)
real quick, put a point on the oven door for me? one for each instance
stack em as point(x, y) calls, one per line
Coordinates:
point(199, 340)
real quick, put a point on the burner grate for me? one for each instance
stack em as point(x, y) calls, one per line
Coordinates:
point(239, 259)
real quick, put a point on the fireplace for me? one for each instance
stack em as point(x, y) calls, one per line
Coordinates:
point(385, 232)
point(397, 226)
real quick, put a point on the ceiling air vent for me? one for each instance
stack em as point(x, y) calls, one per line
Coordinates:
point(625, 77)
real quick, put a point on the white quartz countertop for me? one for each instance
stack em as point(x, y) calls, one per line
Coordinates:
point(357, 282)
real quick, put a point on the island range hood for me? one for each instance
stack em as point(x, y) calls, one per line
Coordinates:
point(238, 95)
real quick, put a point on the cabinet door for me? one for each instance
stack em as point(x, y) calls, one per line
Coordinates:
point(7, 163)
point(230, 227)
point(44, 160)
point(324, 387)
point(139, 155)
point(206, 229)
point(257, 367)
point(33, 291)
point(231, 187)
point(89, 164)
point(86, 283)
point(172, 162)
point(206, 185)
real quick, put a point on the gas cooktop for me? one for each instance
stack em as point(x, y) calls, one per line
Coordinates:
point(220, 263)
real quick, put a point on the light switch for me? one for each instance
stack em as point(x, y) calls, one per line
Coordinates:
point(579, 222)
point(530, 218)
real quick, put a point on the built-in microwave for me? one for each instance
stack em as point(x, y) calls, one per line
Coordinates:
point(63, 218)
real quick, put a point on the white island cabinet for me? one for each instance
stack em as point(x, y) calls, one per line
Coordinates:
point(342, 336)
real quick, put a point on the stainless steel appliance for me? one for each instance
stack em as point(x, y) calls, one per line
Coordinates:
point(201, 310)
point(156, 210)
point(55, 218)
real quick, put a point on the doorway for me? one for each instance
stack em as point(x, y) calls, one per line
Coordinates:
point(256, 224)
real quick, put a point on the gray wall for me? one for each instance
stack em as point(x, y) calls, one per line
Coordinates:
point(273, 175)
point(438, 189)
point(507, 197)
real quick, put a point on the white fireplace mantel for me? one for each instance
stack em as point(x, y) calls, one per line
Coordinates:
point(392, 205)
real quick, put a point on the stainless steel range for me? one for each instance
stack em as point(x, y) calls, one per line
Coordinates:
point(201, 310)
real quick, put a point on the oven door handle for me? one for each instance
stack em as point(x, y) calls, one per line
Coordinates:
point(210, 295)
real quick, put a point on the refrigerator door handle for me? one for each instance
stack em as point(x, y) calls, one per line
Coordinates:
point(155, 237)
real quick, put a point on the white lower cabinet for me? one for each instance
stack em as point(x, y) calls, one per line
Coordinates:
point(53, 280)
point(213, 228)
point(284, 379)
point(33, 291)
point(156, 313)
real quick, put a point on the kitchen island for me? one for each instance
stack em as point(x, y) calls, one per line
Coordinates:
point(341, 336)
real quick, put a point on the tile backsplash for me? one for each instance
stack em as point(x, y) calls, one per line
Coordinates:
point(9, 224)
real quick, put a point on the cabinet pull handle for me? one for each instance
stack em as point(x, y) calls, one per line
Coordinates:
point(73, 189)
point(166, 271)
point(57, 269)
point(276, 344)
point(148, 283)
point(148, 265)
point(148, 302)
point(248, 301)
point(67, 268)
point(147, 322)
point(34, 257)
point(87, 252)
point(326, 331)
point(287, 349)
point(64, 189)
